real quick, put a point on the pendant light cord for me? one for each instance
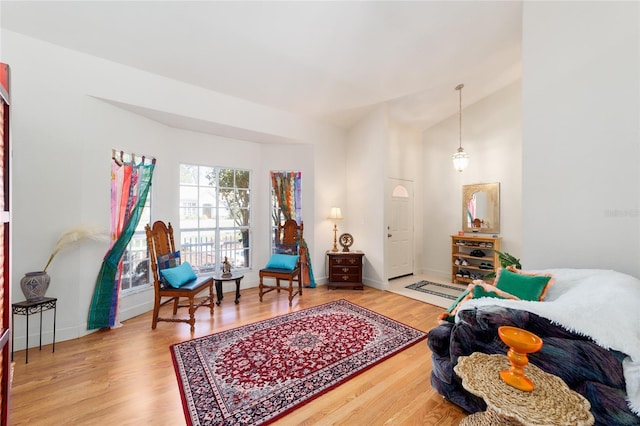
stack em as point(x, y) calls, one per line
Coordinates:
point(459, 89)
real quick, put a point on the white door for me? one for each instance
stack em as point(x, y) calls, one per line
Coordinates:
point(400, 229)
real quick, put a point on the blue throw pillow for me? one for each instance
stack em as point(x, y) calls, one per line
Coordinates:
point(282, 261)
point(179, 275)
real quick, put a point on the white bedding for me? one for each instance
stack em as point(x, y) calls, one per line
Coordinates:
point(601, 304)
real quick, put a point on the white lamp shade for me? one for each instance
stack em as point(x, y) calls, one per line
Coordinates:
point(460, 160)
point(335, 214)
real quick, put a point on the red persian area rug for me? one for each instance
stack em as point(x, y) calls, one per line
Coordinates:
point(256, 373)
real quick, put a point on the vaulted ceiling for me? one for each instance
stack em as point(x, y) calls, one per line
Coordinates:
point(330, 61)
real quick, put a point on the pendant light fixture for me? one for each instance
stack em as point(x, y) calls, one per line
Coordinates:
point(460, 158)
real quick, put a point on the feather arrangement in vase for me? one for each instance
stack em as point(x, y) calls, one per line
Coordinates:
point(34, 285)
point(75, 235)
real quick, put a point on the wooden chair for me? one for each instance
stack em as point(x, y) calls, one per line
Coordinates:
point(289, 235)
point(160, 242)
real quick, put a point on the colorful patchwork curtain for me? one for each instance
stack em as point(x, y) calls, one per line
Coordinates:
point(130, 183)
point(287, 189)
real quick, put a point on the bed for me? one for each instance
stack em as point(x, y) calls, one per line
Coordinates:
point(590, 325)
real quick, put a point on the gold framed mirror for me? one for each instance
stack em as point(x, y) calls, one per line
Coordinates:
point(481, 208)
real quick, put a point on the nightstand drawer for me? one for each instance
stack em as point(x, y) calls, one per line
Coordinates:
point(347, 278)
point(345, 260)
point(338, 269)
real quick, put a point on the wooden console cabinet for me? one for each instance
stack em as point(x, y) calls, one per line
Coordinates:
point(345, 270)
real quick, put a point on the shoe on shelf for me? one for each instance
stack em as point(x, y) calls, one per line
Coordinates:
point(464, 262)
point(477, 253)
point(458, 262)
point(465, 274)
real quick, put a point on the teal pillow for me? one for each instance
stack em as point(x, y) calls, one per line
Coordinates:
point(523, 286)
point(179, 275)
point(283, 261)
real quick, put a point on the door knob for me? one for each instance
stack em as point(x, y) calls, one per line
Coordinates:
point(389, 235)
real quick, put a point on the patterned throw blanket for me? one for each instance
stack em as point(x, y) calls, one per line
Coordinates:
point(589, 323)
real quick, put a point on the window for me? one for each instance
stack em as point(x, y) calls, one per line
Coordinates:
point(289, 183)
point(215, 217)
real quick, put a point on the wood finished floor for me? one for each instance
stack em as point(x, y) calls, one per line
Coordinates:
point(125, 376)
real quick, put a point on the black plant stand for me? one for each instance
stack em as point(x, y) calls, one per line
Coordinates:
point(27, 308)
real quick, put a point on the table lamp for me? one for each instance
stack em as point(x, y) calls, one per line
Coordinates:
point(335, 215)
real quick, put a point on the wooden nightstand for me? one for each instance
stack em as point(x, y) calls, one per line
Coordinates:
point(345, 270)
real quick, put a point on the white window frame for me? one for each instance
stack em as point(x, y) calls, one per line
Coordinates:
point(213, 233)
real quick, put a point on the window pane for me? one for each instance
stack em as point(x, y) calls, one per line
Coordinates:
point(144, 218)
point(229, 246)
point(226, 178)
point(242, 179)
point(188, 174)
point(207, 176)
point(207, 217)
point(189, 217)
point(242, 255)
point(188, 194)
point(198, 248)
point(207, 196)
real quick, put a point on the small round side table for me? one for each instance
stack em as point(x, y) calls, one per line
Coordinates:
point(219, 279)
point(551, 401)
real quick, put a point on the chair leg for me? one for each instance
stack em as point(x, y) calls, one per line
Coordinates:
point(290, 290)
point(260, 289)
point(192, 318)
point(175, 305)
point(211, 299)
point(156, 312)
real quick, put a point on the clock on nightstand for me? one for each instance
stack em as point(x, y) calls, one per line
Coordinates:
point(346, 240)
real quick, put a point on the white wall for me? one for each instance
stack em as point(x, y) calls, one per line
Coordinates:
point(378, 149)
point(580, 135)
point(492, 135)
point(62, 141)
point(365, 179)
